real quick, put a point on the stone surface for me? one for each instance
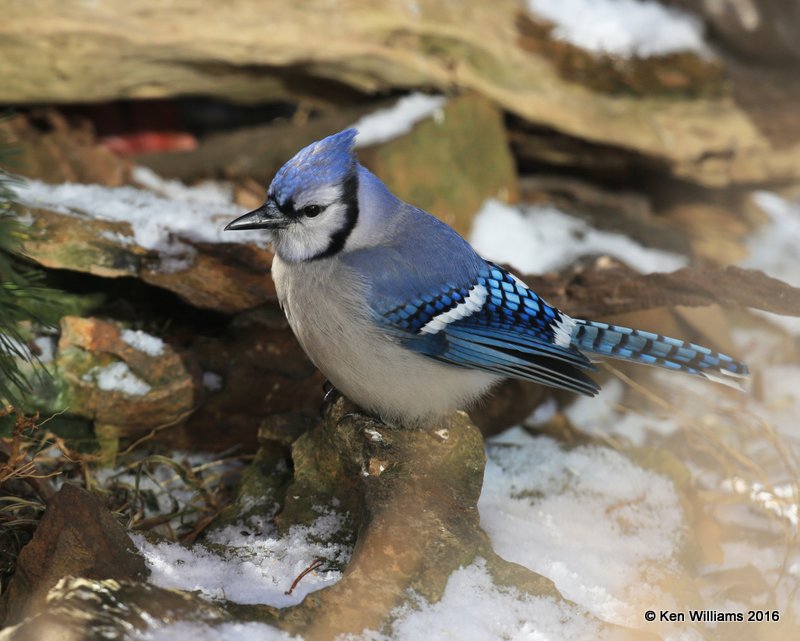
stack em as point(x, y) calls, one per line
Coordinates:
point(227, 52)
point(762, 72)
point(89, 343)
point(221, 276)
point(260, 371)
point(377, 476)
point(715, 233)
point(763, 29)
point(225, 277)
point(84, 609)
point(264, 483)
point(76, 537)
point(59, 152)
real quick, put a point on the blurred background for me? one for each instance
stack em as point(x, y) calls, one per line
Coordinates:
point(635, 161)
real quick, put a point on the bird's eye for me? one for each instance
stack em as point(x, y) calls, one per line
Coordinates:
point(309, 211)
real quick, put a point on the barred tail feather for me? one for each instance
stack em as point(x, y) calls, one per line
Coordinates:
point(639, 346)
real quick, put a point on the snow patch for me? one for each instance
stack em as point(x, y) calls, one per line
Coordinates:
point(118, 238)
point(160, 223)
point(775, 247)
point(541, 238)
point(117, 377)
point(392, 122)
point(473, 608)
point(250, 563)
point(629, 28)
point(537, 495)
point(47, 348)
point(143, 342)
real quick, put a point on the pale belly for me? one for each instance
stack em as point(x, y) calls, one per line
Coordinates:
point(361, 362)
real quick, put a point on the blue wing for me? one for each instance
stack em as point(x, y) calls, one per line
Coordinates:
point(495, 323)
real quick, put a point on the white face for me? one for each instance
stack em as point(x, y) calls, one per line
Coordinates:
point(308, 236)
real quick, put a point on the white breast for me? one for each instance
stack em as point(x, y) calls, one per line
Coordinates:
point(321, 300)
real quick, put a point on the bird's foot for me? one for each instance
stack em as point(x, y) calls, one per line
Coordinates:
point(332, 395)
point(369, 419)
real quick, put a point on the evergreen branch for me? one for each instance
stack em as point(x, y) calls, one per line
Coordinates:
point(22, 298)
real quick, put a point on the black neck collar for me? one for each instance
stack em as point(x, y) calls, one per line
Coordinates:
point(350, 199)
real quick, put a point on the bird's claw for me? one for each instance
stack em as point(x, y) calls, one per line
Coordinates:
point(363, 416)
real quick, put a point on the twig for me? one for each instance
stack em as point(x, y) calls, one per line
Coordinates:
point(316, 563)
point(153, 432)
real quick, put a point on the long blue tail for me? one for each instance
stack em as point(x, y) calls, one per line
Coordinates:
point(639, 346)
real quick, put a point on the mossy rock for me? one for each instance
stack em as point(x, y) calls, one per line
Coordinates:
point(451, 163)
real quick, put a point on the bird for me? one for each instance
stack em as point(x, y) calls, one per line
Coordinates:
point(402, 315)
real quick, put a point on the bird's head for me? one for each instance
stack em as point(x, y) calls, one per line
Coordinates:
point(312, 203)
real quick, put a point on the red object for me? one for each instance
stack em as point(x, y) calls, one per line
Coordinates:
point(149, 141)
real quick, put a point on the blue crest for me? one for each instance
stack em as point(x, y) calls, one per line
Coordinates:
point(325, 162)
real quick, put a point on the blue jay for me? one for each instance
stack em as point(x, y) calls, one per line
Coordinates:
point(405, 318)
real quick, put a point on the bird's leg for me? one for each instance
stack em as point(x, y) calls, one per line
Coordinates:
point(331, 396)
point(331, 393)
